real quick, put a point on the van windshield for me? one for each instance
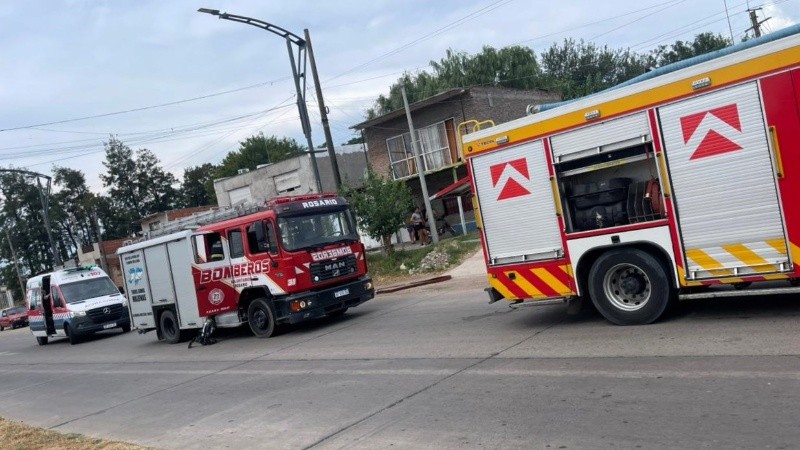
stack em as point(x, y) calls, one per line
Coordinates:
point(317, 230)
point(86, 289)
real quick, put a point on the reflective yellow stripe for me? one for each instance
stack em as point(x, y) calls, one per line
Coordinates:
point(568, 269)
point(779, 245)
point(750, 258)
point(708, 263)
point(520, 281)
point(501, 288)
point(551, 281)
point(795, 253)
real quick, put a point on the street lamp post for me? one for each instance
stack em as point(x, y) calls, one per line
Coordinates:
point(44, 197)
point(298, 72)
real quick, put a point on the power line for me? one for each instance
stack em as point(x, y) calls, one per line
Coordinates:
point(144, 108)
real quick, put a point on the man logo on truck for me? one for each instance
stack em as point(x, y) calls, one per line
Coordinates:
point(725, 119)
point(511, 188)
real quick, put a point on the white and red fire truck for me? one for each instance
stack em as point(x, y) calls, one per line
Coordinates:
point(651, 191)
point(298, 259)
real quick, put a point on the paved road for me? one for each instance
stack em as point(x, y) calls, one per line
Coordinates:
point(433, 367)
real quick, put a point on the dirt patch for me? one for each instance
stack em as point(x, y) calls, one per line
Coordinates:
point(15, 435)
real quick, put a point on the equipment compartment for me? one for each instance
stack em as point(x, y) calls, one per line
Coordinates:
point(610, 189)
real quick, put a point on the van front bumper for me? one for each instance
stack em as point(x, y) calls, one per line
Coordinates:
point(323, 302)
point(86, 325)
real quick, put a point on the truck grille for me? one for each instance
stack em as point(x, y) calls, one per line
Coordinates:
point(333, 268)
point(105, 314)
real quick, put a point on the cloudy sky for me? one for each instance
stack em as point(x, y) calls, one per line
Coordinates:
point(189, 87)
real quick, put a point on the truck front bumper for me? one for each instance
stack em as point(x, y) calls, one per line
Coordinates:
point(323, 302)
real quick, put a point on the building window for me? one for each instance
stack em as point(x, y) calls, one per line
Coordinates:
point(451, 204)
point(433, 144)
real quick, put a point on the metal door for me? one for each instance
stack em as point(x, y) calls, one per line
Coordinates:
point(723, 184)
point(517, 205)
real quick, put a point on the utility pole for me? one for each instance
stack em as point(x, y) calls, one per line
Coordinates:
point(756, 24)
point(96, 223)
point(420, 170)
point(16, 265)
point(44, 197)
point(323, 112)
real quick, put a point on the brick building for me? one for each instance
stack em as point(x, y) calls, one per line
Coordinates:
point(436, 120)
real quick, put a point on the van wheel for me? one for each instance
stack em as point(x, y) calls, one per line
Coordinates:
point(629, 287)
point(126, 328)
point(170, 329)
point(41, 340)
point(73, 337)
point(261, 318)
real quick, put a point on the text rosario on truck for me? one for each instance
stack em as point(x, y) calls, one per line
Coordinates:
point(677, 184)
point(300, 258)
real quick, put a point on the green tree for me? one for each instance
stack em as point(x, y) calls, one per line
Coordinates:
point(381, 206)
point(513, 67)
point(578, 68)
point(197, 187)
point(72, 208)
point(23, 223)
point(137, 186)
point(257, 150)
point(703, 43)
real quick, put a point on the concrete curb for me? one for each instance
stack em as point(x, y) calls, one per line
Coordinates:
point(400, 287)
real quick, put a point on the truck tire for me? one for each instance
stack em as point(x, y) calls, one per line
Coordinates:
point(73, 337)
point(169, 326)
point(41, 340)
point(630, 287)
point(261, 318)
point(2, 328)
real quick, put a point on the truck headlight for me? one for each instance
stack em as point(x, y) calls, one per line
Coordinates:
point(73, 314)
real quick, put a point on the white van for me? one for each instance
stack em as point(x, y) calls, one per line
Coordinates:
point(73, 303)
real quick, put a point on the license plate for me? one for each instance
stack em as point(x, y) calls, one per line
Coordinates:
point(109, 325)
point(341, 293)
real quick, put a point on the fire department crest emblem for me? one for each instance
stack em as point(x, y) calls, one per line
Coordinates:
point(216, 296)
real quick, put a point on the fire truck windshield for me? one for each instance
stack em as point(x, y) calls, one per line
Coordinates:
point(89, 288)
point(317, 229)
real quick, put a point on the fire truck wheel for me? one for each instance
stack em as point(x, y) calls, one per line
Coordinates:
point(629, 287)
point(41, 340)
point(261, 317)
point(170, 330)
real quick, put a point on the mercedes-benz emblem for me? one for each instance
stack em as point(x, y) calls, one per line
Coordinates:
point(106, 310)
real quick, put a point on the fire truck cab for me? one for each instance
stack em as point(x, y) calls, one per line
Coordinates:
point(298, 259)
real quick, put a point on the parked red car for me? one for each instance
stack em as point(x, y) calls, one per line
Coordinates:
point(13, 317)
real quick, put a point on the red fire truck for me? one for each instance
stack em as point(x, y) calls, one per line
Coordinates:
point(668, 186)
point(298, 259)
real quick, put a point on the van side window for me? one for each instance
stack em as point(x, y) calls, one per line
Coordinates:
point(260, 238)
point(236, 244)
point(56, 295)
point(34, 298)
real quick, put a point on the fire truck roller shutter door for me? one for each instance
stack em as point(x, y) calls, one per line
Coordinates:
point(724, 185)
point(516, 203)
